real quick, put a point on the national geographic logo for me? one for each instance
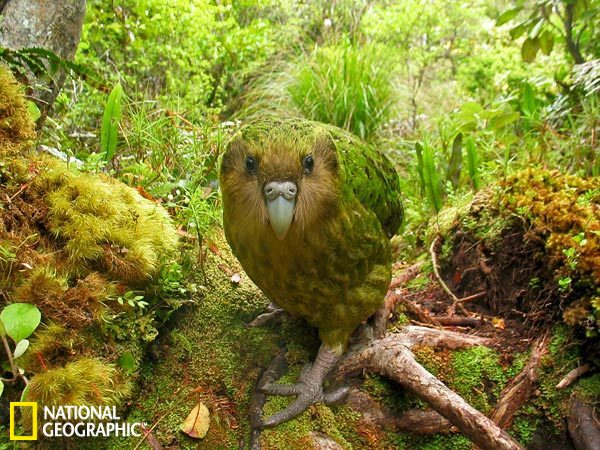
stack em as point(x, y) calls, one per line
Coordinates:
point(74, 421)
point(34, 425)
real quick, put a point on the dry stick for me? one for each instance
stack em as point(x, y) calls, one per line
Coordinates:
point(573, 375)
point(436, 272)
point(518, 391)
point(392, 358)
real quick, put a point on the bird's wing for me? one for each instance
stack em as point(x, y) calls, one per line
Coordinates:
point(371, 177)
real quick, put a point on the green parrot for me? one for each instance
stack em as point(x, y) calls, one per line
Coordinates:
point(308, 210)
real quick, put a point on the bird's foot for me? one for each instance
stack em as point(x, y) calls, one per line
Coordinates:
point(273, 314)
point(309, 389)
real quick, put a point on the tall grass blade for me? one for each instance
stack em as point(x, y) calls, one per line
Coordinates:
point(472, 162)
point(455, 163)
point(433, 187)
point(109, 132)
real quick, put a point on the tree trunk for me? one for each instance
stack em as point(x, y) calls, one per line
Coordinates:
point(54, 25)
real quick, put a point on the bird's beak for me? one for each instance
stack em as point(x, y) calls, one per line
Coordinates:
point(280, 197)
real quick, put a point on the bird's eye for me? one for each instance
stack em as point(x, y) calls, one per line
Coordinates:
point(251, 165)
point(308, 163)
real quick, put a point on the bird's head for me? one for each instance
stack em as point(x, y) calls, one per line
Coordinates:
point(280, 179)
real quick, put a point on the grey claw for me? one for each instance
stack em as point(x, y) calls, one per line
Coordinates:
point(285, 390)
point(295, 409)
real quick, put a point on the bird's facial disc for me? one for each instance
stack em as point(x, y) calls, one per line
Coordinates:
point(280, 197)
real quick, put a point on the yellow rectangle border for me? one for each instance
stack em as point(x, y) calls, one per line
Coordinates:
point(34, 429)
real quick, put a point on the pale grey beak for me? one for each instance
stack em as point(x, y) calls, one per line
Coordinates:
point(281, 203)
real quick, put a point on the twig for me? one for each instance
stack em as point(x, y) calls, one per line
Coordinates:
point(472, 297)
point(13, 366)
point(436, 272)
point(573, 375)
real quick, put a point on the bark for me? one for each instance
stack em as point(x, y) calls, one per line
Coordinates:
point(583, 425)
point(392, 358)
point(518, 391)
point(53, 25)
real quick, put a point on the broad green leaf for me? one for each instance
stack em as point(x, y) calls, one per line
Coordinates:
point(109, 132)
point(508, 15)
point(20, 320)
point(472, 162)
point(455, 163)
point(546, 42)
point(2, 329)
point(529, 49)
point(21, 348)
point(529, 103)
point(33, 110)
point(503, 120)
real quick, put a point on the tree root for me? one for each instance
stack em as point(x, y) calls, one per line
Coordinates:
point(518, 391)
point(391, 357)
point(573, 375)
point(584, 425)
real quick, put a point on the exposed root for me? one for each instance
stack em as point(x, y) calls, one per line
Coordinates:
point(584, 425)
point(573, 375)
point(518, 391)
point(391, 357)
point(424, 422)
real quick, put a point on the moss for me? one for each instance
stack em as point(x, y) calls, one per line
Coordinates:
point(17, 129)
point(104, 224)
point(588, 388)
point(476, 372)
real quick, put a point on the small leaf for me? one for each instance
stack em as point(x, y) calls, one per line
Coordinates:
point(24, 394)
point(518, 30)
point(20, 320)
point(21, 348)
point(127, 363)
point(529, 49)
point(109, 132)
point(1, 388)
point(498, 323)
point(197, 422)
point(535, 31)
point(508, 15)
point(546, 42)
point(33, 110)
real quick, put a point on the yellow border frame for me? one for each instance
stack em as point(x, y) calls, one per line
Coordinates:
point(34, 407)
